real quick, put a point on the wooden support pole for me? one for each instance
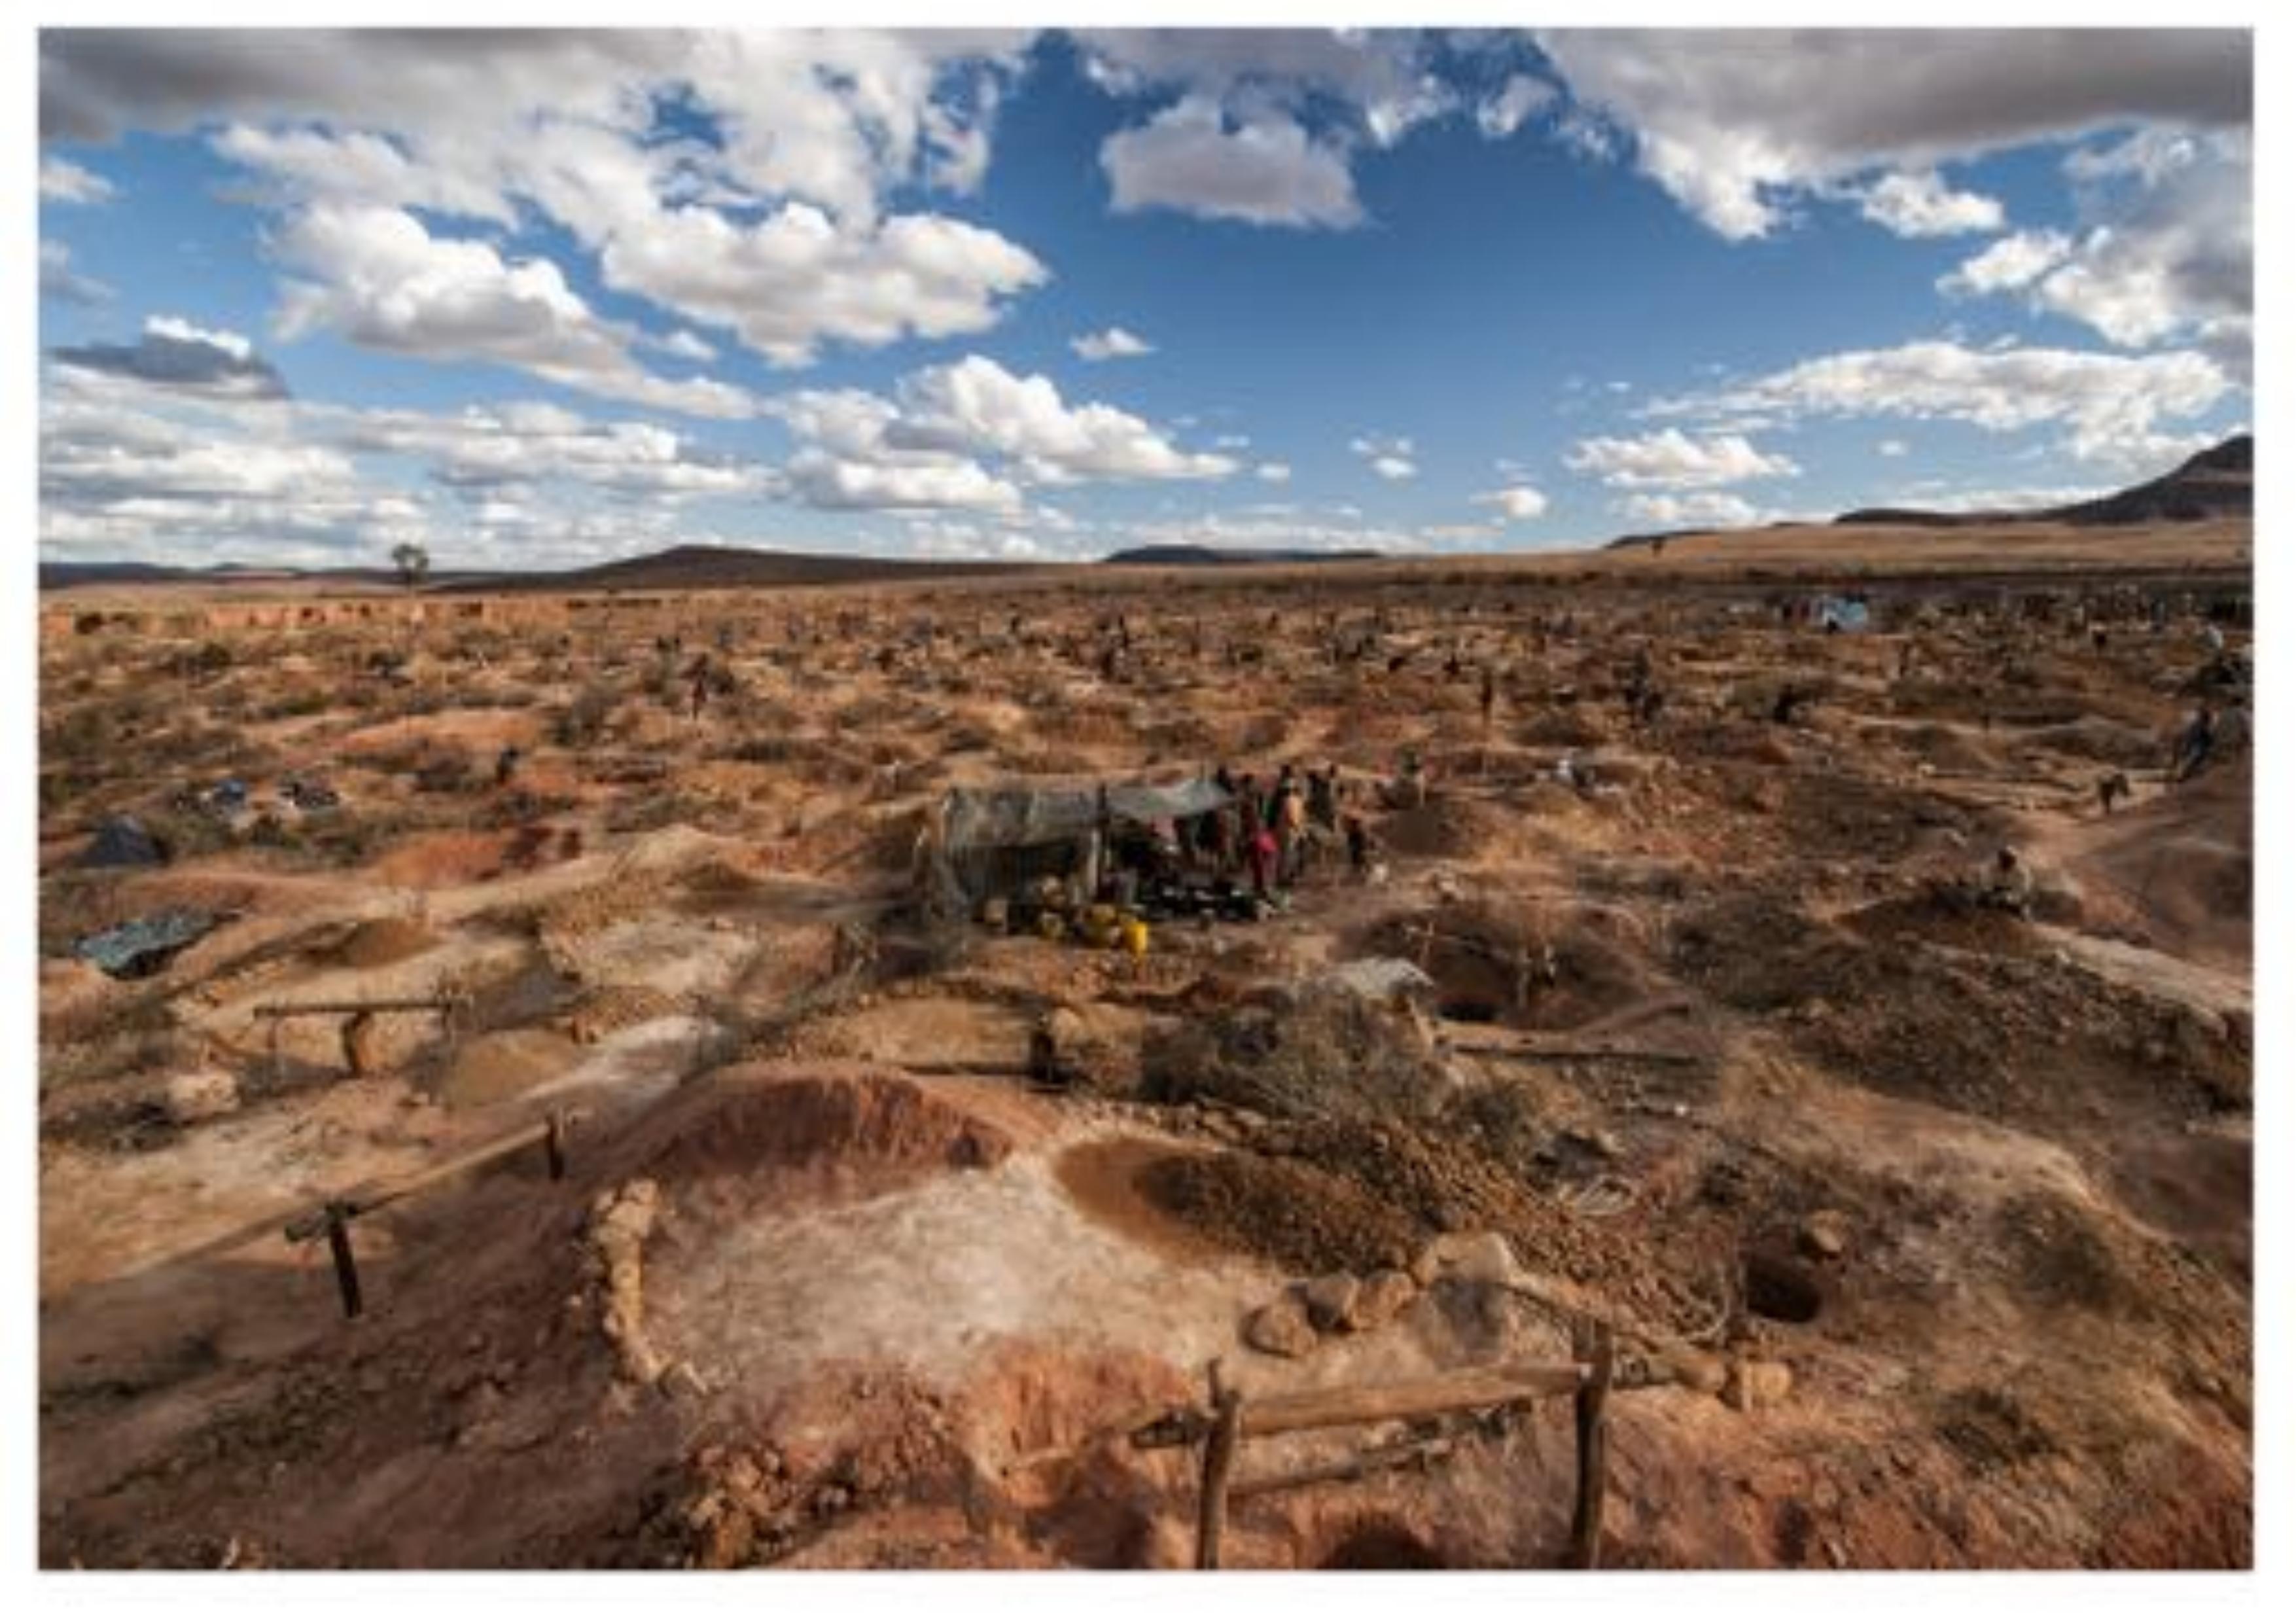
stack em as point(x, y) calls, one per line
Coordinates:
point(1488, 1389)
point(1354, 1468)
point(373, 1196)
point(357, 1005)
point(1593, 1340)
point(1219, 1463)
point(346, 1279)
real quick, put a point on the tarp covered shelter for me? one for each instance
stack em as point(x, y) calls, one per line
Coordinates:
point(123, 842)
point(996, 841)
point(146, 946)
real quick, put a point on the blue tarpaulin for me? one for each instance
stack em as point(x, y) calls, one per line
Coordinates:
point(144, 947)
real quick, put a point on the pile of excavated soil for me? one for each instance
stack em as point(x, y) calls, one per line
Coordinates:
point(2183, 866)
point(2027, 1040)
point(374, 943)
point(1454, 829)
point(1838, 817)
point(503, 1065)
point(1941, 915)
point(601, 1011)
point(752, 1132)
point(429, 860)
point(1306, 1219)
point(1479, 944)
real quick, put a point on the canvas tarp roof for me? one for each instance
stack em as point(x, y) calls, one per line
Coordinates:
point(993, 819)
point(144, 947)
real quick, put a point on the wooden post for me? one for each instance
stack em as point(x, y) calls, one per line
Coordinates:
point(1219, 1463)
point(1593, 1343)
point(553, 1144)
point(339, 1241)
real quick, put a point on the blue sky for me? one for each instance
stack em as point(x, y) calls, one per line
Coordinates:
point(544, 301)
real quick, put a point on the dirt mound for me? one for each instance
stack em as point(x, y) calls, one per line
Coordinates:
point(1949, 748)
point(2027, 1040)
point(2183, 867)
point(1103, 1175)
point(1325, 1054)
point(837, 1131)
point(457, 858)
point(1841, 817)
point(503, 1065)
point(372, 943)
point(1450, 828)
point(1945, 915)
point(1306, 1219)
point(1519, 963)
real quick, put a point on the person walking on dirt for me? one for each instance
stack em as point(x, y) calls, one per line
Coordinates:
point(1290, 834)
point(1324, 798)
point(1361, 846)
point(2113, 786)
point(1490, 696)
point(2193, 745)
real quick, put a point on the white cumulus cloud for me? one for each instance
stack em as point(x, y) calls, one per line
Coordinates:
point(1672, 460)
point(1265, 170)
point(62, 181)
point(1516, 502)
point(1920, 204)
point(2112, 407)
point(1114, 344)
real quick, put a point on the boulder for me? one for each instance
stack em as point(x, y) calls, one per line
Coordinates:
point(1331, 1300)
point(1280, 1328)
point(200, 1095)
point(1484, 1257)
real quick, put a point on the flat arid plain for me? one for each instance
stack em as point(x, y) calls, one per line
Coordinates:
point(644, 1075)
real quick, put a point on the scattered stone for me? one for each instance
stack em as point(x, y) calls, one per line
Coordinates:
point(1484, 1258)
point(1696, 1371)
point(200, 1095)
point(1331, 1300)
point(1755, 1384)
point(1384, 1294)
point(362, 1045)
point(682, 1380)
point(1280, 1328)
point(1824, 1234)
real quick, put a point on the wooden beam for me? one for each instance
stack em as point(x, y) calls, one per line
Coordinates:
point(1354, 1468)
point(359, 1006)
point(1219, 1463)
point(346, 1279)
point(1494, 1388)
point(1594, 1449)
point(371, 1197)
point(1537, 1053)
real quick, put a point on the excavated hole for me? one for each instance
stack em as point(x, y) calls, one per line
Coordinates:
point(1382, 1546)
point(1780, 1289)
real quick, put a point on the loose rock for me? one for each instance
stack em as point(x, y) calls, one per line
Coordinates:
point(1280, 1328)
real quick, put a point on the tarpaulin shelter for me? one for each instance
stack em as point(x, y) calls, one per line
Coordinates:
point(988, 842)
point(146, 946)
point(123, 842)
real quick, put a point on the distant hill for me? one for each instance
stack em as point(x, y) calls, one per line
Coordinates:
point(680, 568)
point(2220, 482)
point(1183, 556)
point(694, 568)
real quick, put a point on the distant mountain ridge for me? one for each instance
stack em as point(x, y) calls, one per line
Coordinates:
point(676, 569)
point(1185, 555)
point(2220, 482)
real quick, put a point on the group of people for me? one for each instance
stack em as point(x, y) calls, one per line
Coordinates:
point(1270, 832)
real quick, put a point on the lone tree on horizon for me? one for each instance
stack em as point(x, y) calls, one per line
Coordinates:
point(413, 561)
